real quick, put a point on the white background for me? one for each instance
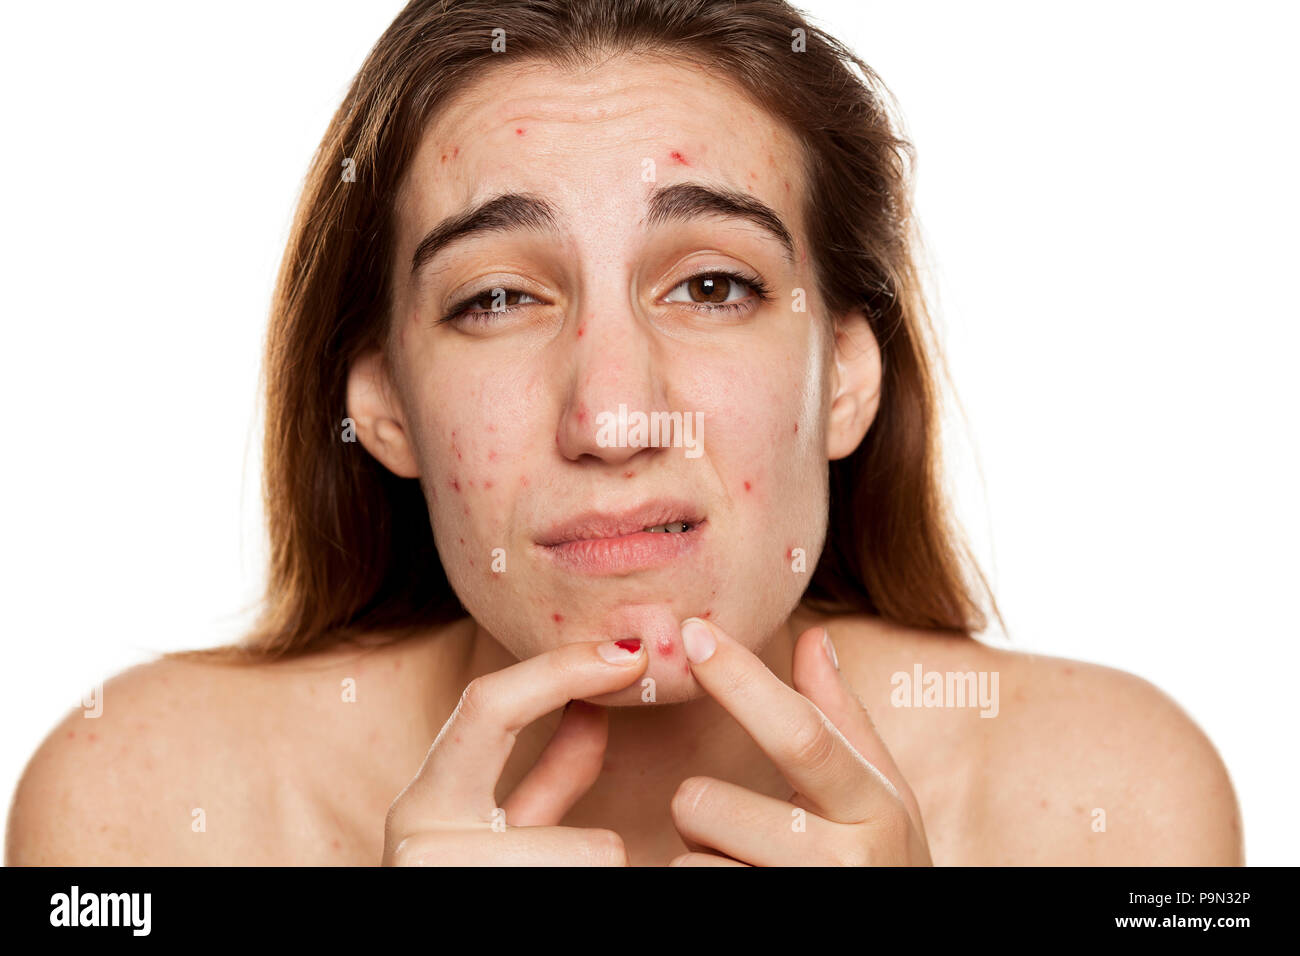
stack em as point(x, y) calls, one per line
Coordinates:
point(1108, 196)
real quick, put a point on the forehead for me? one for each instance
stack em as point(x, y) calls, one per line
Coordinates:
point(595, 141)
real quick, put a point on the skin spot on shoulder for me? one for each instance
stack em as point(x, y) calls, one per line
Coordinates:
point(557, 617)
point(748, 486)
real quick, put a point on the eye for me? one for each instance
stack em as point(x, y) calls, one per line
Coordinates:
point(720, 291)
point(495, 302)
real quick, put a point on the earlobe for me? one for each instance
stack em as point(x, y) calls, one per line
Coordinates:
point(379, 419)
point(858, 374)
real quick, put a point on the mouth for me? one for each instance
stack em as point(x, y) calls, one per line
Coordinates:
point(651, 535)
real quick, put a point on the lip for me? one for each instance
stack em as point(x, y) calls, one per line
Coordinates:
point(599, 542)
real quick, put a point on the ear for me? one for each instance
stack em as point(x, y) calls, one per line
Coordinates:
point(380, 422)
point(857, 380)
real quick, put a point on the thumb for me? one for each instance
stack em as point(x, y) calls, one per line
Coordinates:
point(565, 771)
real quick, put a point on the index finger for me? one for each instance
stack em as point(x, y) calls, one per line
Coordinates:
point(460, 772)
point(808, 749)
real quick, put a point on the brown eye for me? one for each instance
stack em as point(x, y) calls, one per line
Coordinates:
point(712, 288)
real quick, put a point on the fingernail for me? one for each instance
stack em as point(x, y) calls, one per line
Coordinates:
point(830, 648)
point(699, 640)
point(621, 652)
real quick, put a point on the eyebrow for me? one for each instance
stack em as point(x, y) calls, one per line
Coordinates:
point(678, 202)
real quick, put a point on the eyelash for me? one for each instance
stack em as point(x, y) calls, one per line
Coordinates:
point(754, 282)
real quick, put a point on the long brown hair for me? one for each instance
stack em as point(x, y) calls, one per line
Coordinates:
point(351, 550)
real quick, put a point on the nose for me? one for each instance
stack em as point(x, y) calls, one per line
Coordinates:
point(613, 359)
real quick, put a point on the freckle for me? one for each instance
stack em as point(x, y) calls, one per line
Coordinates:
point(557, 617)
point(665, 646)
point(461, 540)
point(678, 158)
point(487, 484)
point(748, 486)
point(629, 474)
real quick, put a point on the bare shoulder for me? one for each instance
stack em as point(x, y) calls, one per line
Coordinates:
point(1025, 758)
point(1098, 766)
point(187, 762)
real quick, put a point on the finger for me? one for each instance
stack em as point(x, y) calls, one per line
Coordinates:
point(512, 846)
point(805, 746)
point(703, 859)
point(458, 778)
point(817, 676)
point(565, 771)
point(752, 827)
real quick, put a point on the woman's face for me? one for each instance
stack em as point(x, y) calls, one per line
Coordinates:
point(538, 491)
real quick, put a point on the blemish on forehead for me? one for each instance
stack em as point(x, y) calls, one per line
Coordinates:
point(678, 158)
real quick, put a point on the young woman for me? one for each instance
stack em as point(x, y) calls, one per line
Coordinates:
point(605, 516)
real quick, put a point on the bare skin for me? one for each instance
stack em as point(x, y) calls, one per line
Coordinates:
point(288, 773)
point(494, 412)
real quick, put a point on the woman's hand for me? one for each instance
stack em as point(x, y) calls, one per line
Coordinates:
point(447, 815)
point(851, 806)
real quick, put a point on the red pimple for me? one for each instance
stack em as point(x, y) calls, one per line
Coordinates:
point(582, 328)
point(523, 480)
point(518, 131)
point(748, 486)
point(336, 844)
point(678, 158)
point(455, 484)
point(557, 617)
point(487, 484)
point(492, 428)
point(455, 151)
point(492, 455)
point(707, 613)
point(629, 474)
point(71, 734)
point(471, 562)
point(796, 428)
point(467, 509)
point(665, 646)
point(461, 540)
point(630, 644)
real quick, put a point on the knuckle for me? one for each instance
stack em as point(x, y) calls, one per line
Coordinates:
point(810, 744)
point(606, 848)
point(473, 699)
point(690, 793)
